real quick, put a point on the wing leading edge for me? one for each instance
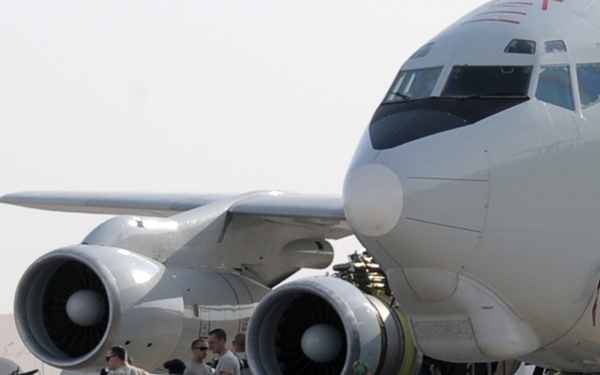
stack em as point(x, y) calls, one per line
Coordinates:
point(275, 206)
point(148, 204)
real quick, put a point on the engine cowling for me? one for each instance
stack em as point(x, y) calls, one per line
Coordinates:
point(324, 325)
point(74, 303)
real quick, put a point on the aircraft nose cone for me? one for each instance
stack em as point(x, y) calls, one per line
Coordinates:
point(373, 199)
point(423, 203)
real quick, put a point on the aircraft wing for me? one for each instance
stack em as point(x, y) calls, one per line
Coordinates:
point(150, 204)
point(238, 231)
point(281, 207)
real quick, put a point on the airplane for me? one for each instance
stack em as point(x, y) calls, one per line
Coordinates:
point(8, 367)
point(473, 188)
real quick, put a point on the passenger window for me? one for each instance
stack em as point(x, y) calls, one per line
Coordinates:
point(588, 78)
point(413, 84)
point(554, 86)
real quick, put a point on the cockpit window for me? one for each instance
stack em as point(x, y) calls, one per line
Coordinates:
point(413, 84)
point(423, 51)
point(521, 46)
point(488, 81)
point(588, 78)
point(554, 86)
point(555, 46)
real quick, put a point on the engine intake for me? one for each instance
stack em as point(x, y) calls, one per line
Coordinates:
point(344, 324)
point(73, 303)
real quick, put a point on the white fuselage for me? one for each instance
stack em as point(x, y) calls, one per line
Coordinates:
point(489, 229)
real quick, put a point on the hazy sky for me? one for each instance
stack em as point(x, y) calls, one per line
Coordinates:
point(188, 96)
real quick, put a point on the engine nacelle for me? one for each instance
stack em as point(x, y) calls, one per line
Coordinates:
point(324, 325)
point(74, 303)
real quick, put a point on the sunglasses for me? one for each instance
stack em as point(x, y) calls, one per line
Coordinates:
point(203, 348)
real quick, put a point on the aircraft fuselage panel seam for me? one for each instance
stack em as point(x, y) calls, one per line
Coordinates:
point(443, 225)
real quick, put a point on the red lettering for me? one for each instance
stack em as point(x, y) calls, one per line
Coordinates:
point(546, 3)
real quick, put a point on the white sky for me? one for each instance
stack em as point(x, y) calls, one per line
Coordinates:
point(188, 96)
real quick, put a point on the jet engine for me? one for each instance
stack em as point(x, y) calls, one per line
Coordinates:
point(74, 303)
point(325, 325)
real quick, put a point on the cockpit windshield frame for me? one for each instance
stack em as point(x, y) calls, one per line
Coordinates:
point(468, 81)
point(413, 84)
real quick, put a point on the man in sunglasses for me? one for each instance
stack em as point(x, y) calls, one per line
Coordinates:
point(118, 364)
point(196, 366)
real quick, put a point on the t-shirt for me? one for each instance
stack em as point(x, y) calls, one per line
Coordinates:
point(244, 370)
point(195, 368)
point(228, 362)
point(128, 370)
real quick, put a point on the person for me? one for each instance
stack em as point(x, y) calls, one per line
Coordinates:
point(197, 366)
point(239, 349)
point(175, 366)
point(228, 363)
point(117, 362)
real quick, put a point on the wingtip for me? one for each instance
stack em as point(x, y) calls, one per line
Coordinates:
point(16, 198)
point(8, 198)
